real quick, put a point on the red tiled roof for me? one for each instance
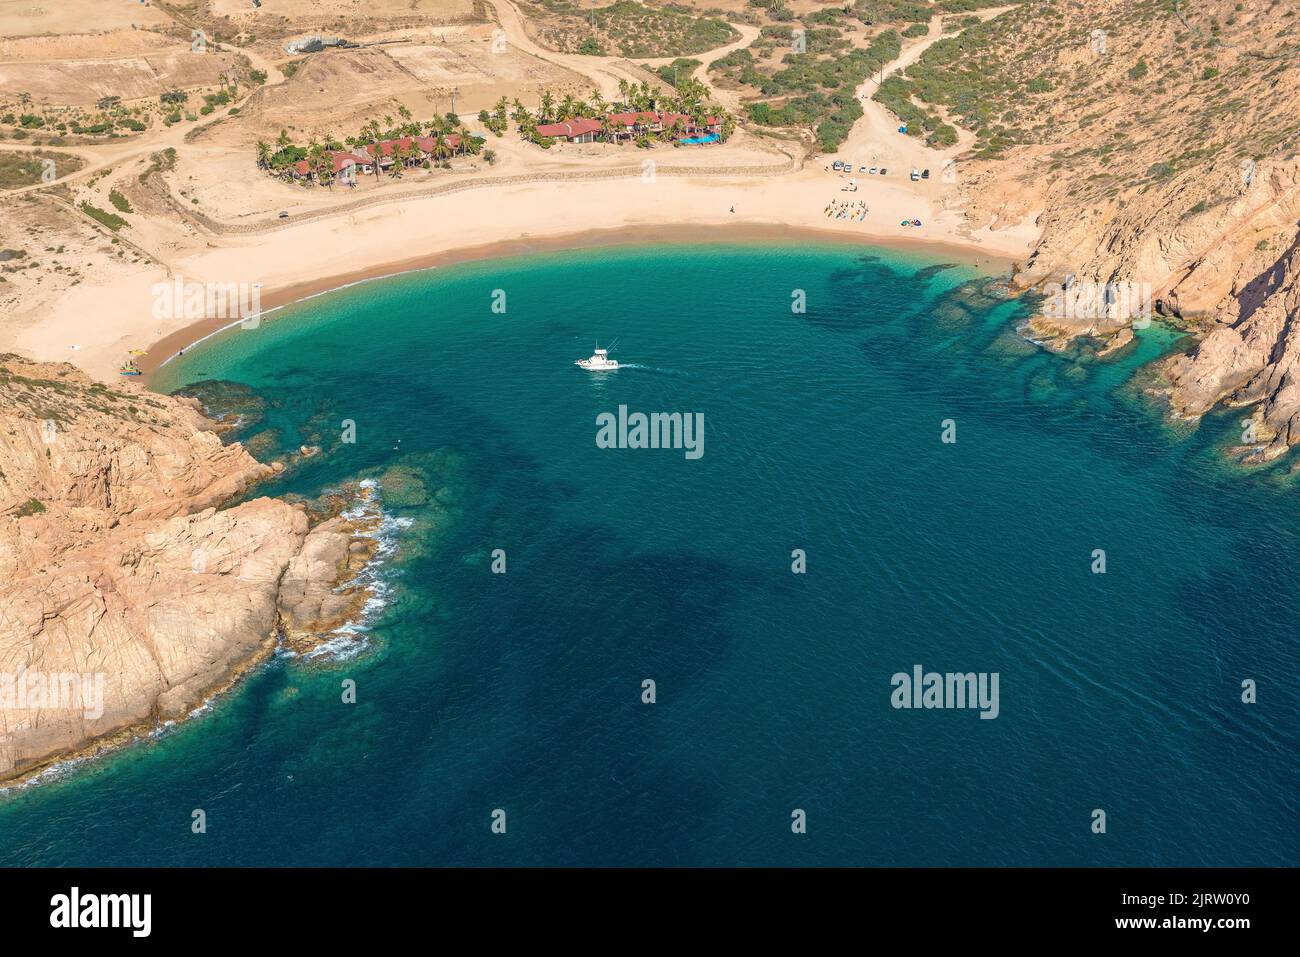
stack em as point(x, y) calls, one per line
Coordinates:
point(570, 129)
point(427, 143)
point(342, 160)
point(644, 117)
point(302, 167)
point(669, 118)
point(389, 146)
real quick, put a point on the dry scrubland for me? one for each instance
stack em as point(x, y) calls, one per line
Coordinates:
point(342, 90)
point(625, 28)
point(82, 82)
point(304, 13)
point(27, 18)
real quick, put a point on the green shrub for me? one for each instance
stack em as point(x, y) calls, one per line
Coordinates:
point(111, 220)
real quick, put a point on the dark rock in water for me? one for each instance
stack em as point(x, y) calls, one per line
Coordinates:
point(262, 445)
point(983, 294)
point(929, 272)
point(951, 312)
point(233, 405)
point(403, 486)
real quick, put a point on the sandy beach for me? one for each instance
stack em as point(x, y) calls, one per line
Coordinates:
point(105, 322)
point(170, 345)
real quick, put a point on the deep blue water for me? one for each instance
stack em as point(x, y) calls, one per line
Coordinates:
point(477, 691)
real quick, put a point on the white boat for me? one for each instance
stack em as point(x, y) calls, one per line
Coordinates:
point(599, 362)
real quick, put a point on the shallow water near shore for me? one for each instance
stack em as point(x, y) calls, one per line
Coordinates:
point(523, 691)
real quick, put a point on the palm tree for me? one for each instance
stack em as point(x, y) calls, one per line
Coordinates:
point(371, 130)
point(598, 104)
point(324, 168)
point(548, 104)
point(315, 153)
point(263, 154)
point(284, 140)
point(623, 93)
point(567, 107)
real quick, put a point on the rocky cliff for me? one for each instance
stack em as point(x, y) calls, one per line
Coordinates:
point(1160, 142)
point(127, 594)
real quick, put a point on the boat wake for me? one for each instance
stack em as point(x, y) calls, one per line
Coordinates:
point(644, 368)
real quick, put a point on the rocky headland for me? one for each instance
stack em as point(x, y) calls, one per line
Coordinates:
point(1159, 147)
point(128, 593)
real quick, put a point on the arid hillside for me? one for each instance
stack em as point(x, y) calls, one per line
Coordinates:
point(1160, 140)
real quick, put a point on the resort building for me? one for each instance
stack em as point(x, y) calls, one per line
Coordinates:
point(581, 130)
point(429, 146)
point(409, 151)
point(620, 126)
point(345, 166)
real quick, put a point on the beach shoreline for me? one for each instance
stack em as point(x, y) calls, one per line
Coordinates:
point(114, 314)
point(175, 343)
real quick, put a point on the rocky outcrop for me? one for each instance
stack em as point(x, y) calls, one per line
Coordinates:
point(1250, 357)
point(1188, 263)
point(1160, 148)
point(127, 595)
point(309, 601)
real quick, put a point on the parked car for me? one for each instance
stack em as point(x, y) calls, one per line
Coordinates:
point(916, 174)
point(284, 214)
point(883, 171)
point(862, 169)
point(837, 166)
point(873, 171)
point(925, 174)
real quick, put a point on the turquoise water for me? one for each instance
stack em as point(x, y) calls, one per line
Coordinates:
point(522, 691)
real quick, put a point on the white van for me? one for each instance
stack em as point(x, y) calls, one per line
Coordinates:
point(916, 174)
